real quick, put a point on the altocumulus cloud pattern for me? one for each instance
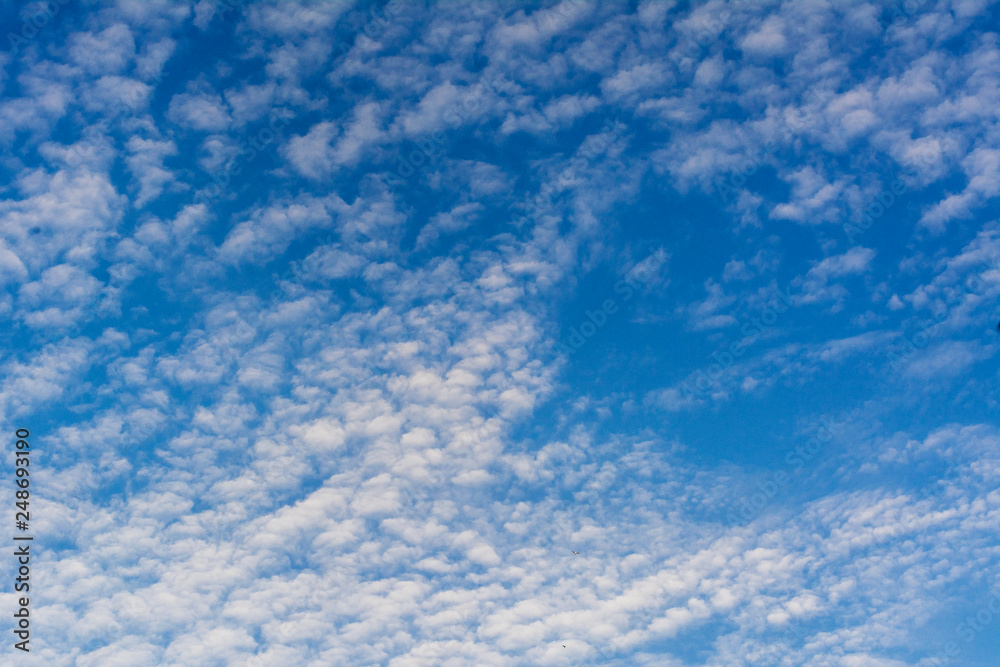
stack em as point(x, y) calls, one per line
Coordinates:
point(496, 333)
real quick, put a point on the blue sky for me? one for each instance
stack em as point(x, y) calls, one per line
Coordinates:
point(340, 328)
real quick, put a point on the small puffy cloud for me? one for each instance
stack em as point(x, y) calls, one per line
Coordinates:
point(326, 148)
point(767, 40)
point(705, 314)
point(310, 154)
point(112, 94)
point(146, 165)
point(202, 111)
point(251, 102)
point(946, 359)
point(109, 51)
point(632, 82)
point(270, 230)
point(736, 270)
point(982, 169)
point(331, 263)
point(818, 284)
point(455, 220)
point(446, 105)
point(814, 199)
point(153, 56)
point(12, 269)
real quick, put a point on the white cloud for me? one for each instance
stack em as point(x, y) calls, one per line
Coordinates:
point(705, 314)
point(329, 424)
point(767, 40)
point(146, 165)
point(817, 285)
point(982, 167)
point(204, 112)
point(326, 148)
point(109, 51)
point(270, 230)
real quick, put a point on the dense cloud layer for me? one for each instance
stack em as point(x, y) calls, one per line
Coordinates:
point(483, 334)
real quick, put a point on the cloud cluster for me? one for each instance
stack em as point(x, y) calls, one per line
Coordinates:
point(302, 396)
